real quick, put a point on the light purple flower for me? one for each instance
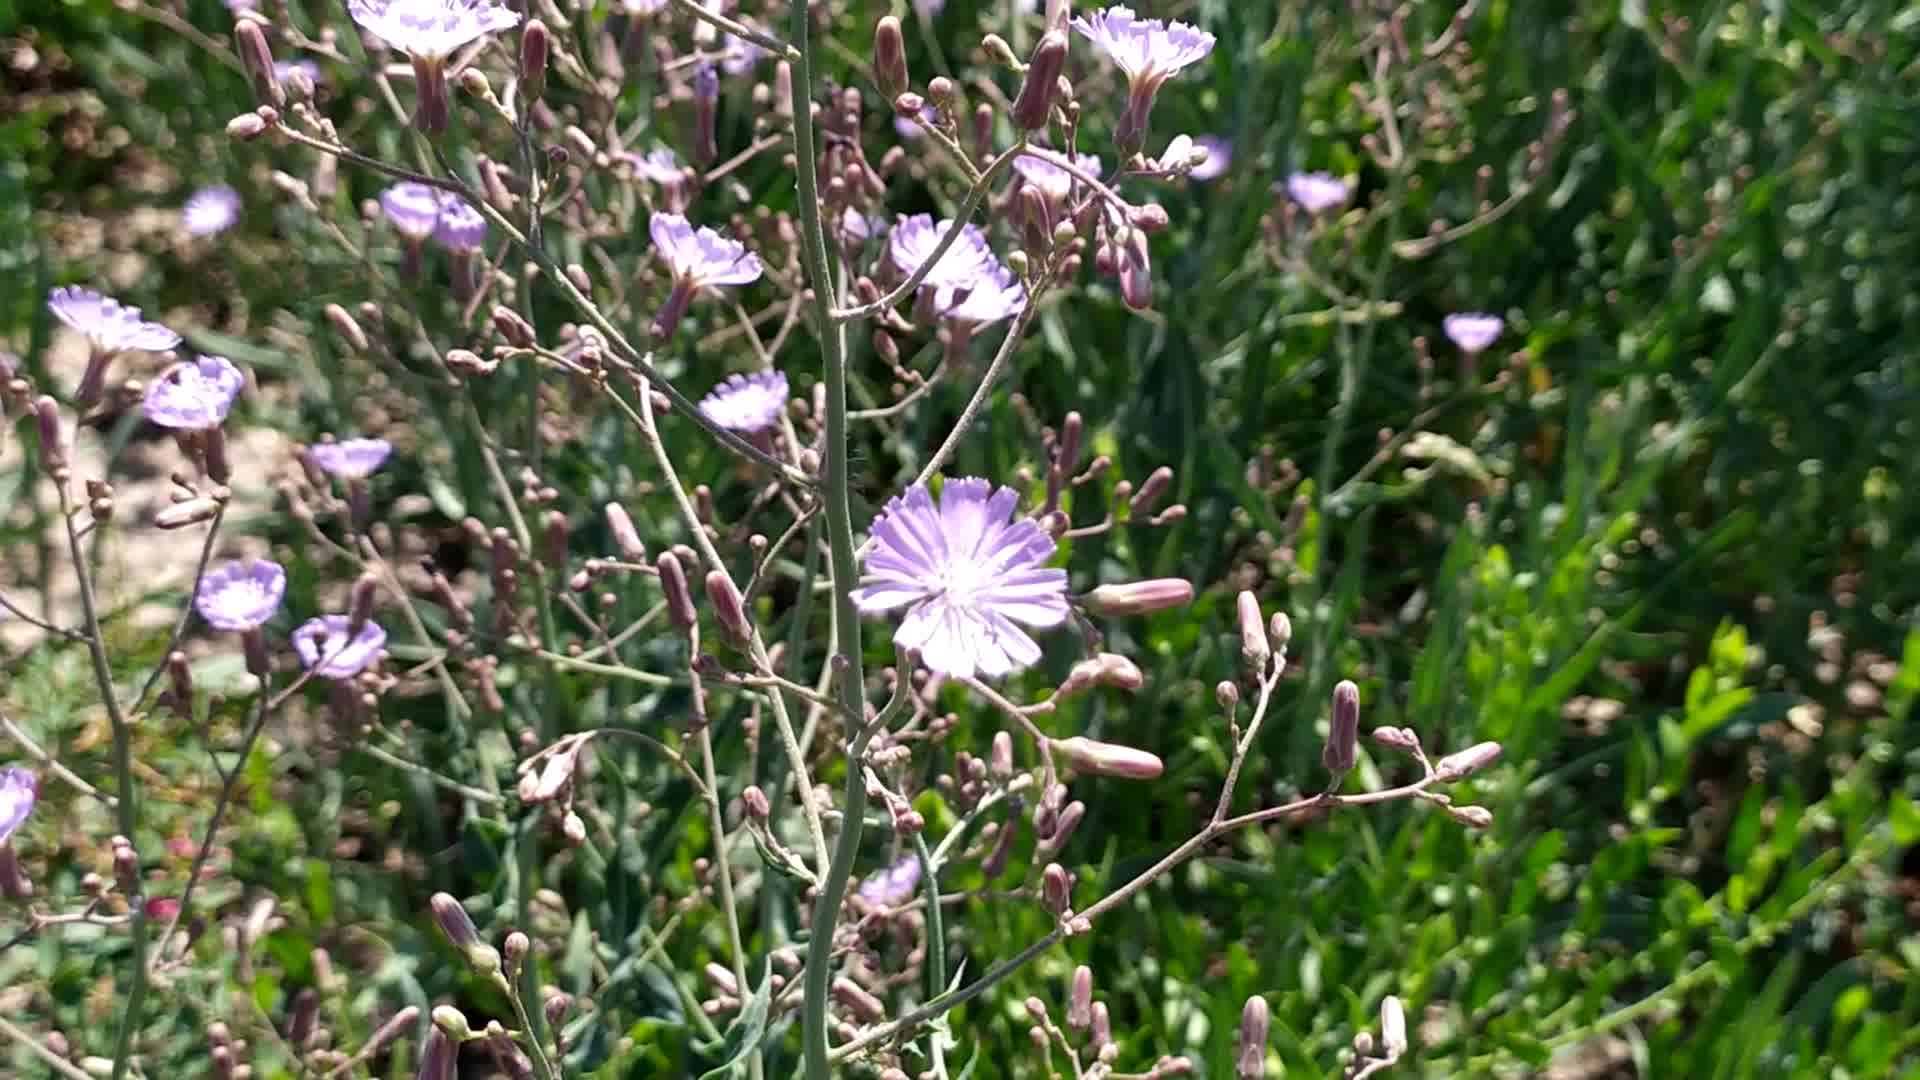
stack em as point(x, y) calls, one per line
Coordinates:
point(644, 7)
point(324, 647)
point(747, 403)
point(284, 70)
point(194, 395)
point(109, 325)
point(910, 129)
point(857, 228)
point(701, 258)
point(1473, 331)
point(893, 886)
point(1053, 181)
point(995, 294)
point(350, 459)
point(242, 594)
point(659, 165)
point(18, 789)
point(914, 238)
point(1317, 192)
point(412, 208)
point(460, 227)
point(1219, 156)
point(1150, 51)
point(740, 55)
point(929, 8)
point(211, 210)
point(969, 577)
point(430, 29)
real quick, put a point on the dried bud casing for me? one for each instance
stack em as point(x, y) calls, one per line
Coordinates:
point(535, 44)
point(890, 58)
point(1250, 1058)
point(1049, 59)
point(256, 59)
point(1343, 730)
point(673, 583)
point(1139, 597)
point(1255, 650)
point(1106, 759)
point(728, 608)
point(1465, 763)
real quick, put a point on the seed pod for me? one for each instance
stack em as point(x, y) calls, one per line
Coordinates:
point(673, 582)
point(1049, 59)
point(1343, 730)
point(890, 58)
point(1251, 1055)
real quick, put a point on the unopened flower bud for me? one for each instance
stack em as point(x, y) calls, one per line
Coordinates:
point(348, 330)
point(862, 1004)
point(534, 46)
point(1139, 597)
point(509, 324)
point(1080, 999)
point(755, 800)
point(1101, 1034)
point(360, 603)
point(940, 91)
point(1464, 763)
point(556, 1007)
point(673, 583)
point(506, 1054)
point(53, 446)
point(437, 1056)
point(1151, 491)
point(256, 59)
point(1105, 669)
point(728, 607)
point(1393, 1027)
point(190, 512)
point(1343, 730)
point(574, 828)
point(1106, 759)
point(1055, 889)
point(890, 58)
point(1473, 817)
point(625, 536)
point(1255, 650)
point(1250, 1060)
point(1030, 109)
point(475, 83)
point(1227, 693)
point(453, 1022)
point(515, 949)
point(908, 106)
point(1147, 217)
point(1000, 758)
point(454, 921)
point(1398, 738)
point(1280, 631)
point(246, 127)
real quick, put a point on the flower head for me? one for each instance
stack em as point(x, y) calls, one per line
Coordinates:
point(350, 459)
point(703, 257)
point(211, 210)
point(412, 208)
point(430, 29)
point(194, 395)
point(969, 577)
point(107, 323)
point(1317, 192)
point(241, 594)
point(1472, 331)
point(1150, 51)
point(460, 228)
point(915, 237)
point(1053, 181)
point(893, 886)
point(1219, 156)
point(994, 295)
point(18, 789)
point(659, 165)
point(747, 403)
point(857, 228)
point(325, 648)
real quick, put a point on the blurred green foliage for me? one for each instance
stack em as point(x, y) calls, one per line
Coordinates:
point(1664, 558)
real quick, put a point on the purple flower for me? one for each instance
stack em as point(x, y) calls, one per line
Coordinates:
point(1053, 181)
point(211, 210)
point(350, 459)
point(1150, 52)
point(995, 294)
point(430, 29)
point(659, 165)
point(460, 227)
point(1472, 331)
point(914, 238)
point(324, 647)
point(284, 70)
point(857, 228)
point(413, 209)
point(194, 395)
point(908, 128)
point(18, 788)
point(740, 55)
point(241, 594)
point(747, 403)
point(893, 886)
point(969, 576)
point(1317, 192)
point(109, 325)
point(1219, 156)
point(702, 258)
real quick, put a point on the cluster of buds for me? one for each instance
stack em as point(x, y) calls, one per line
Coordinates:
point(1084, 1035)
point(1370, 1057)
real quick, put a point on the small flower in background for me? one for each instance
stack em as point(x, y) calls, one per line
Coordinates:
point(910, 129)
point(326, 649)
point(915, 237)
point(1473, 331)
point(1150, 52)
point(1051, 180)
point(699, 259)
point(1317, 192)
point(109, 326)
point(661, 166)
point(285, 70)
point(741, 55)
point(429, 31)
point(1219, 157)
point(857, 228)
point(194, 395)
point(413, 209)
point(211, 210)
point(241, 595)
point(18, 789)
point(462, 232)
point(969, 576)
point(350, 459)
point(893, 886)
point(644, 7)
point(995, 294)
point(747, 403)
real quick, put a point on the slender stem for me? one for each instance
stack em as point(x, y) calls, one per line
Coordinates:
point(129, 811)
point(1267, 683)
point(722, 862)
point(47, 760)
point(465, 791)
point(936, 941)
point(850, 678)
point(54, 1061)
point(980, 393)
point(532, 1033)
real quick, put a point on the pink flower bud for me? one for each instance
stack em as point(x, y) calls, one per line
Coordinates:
point(1055, 890)
point(1080, 999)
point(256, 59)
point(862, 1004)
point(1049, 59)
point(454, 921)
point(510, 325)
point(1393, 1027)
point(53, 447)
point(1251, 1055)
point(673, 583)
point(1139, 597)
point(1255, 650)
point(1464, 763)
point(1343, 730)
point(346, 328)
point(1473, 817)
point(890, 58)
point(1106, 759)
point(728, 607)
point(534, 46)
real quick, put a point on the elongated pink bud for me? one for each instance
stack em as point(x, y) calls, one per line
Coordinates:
point(1107, 759)
point(673, 583)
point(1049, 59)
point(1250, 1061)
point(625, 536)
point(890, 58)
point(728, 608)
point(1080, 999)
point(535, 43)
point(454, 921)
point(1139, 597)
point(1255, 649)
point(1343, 729)
point(256, 59)
point(1465, 763)
point(1393, 1027)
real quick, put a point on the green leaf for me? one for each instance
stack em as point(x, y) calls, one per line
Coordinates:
point(744, 1034)
point(1905, 818)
